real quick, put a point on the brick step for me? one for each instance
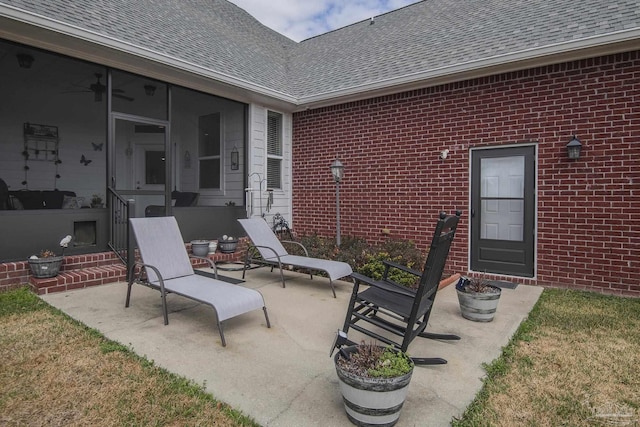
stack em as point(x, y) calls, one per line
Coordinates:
point(79, 278)
point(78, 275)
point(80, 271)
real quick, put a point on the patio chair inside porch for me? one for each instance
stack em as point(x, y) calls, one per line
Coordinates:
point(166, 267)
point(273, 253)
point(395, 314)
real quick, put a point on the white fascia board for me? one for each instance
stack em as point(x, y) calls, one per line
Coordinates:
point(128, 48)
point(565, 51)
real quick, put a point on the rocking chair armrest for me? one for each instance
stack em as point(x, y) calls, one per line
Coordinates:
point(384, 285)
point(210, 261)
point(400, 267)
point(306, 253)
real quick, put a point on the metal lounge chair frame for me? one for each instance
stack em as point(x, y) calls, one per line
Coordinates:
point(273, 253)
point(404, 313)
point(166, 267)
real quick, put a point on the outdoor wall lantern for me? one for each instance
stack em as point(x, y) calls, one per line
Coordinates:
point(24, 60)
point(337, 170)
point(235, 159)
point(573, 148)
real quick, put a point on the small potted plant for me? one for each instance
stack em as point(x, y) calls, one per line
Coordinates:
point(227, 244)
point(96, 201)
point(374, 381)
point(478, 299)
point(47, 264)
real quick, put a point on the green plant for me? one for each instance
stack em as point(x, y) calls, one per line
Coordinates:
point(374, 361)
point(96, 200)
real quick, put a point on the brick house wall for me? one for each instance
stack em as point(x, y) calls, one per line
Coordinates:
point(588, 210)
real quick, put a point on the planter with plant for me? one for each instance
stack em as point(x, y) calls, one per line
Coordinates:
point(47, 264)
point(478, 299)
point(374, 381)
point(227, 244)
point(96, 201)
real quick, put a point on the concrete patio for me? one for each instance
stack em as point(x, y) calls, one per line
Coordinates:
point(283, 376)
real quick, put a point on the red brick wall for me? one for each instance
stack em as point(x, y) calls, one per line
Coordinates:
point(588, 210)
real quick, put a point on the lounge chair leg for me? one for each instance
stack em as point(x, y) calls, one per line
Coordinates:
point(333, 289)
point(164, 308)
point(126, 303)
point(224, 343)
point(281, 273)
point(266, 316)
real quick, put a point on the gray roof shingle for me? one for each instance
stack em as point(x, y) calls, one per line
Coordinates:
point(434, 34)
point(425, 36)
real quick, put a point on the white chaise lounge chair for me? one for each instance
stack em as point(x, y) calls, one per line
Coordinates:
point(169, 270)
point(273, 253)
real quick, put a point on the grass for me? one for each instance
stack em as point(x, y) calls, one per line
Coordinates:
point(56, 371)
point(573, 362)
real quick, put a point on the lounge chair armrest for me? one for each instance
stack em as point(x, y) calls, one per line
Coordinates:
point(387, 286)
point(391, 264)
point(270, 248)
point(155, 270)
point(211, 263)
point(306, 252)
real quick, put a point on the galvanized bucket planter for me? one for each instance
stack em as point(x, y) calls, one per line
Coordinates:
point(42, 268)
point(200, 247)
point(478, 306)
point(372, 401)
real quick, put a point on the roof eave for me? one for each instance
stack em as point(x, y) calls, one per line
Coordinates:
point(622, 41)
point(46, 33)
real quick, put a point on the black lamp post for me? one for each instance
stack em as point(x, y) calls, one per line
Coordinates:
point(337, 170)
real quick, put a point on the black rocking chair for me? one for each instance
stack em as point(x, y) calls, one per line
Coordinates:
point(394, 308)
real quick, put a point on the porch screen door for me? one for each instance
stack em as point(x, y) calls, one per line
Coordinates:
point(503, 211)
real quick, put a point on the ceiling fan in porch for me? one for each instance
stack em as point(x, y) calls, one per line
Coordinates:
point(98, 89)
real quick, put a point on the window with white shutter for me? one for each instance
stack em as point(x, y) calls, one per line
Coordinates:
point(274, 150)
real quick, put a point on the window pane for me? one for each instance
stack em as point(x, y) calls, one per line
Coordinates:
point(274, 171)
point(210, 173)
point(274, 133)
point(154, 167)
point(209, 135)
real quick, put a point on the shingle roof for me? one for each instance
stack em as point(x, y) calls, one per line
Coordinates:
point(426, 36)
point(433, 34)
point(214, 34)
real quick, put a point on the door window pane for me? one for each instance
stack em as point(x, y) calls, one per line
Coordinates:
point(502, 194)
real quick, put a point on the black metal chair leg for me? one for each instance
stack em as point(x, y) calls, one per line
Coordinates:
point(433, 336)
point(429, 361)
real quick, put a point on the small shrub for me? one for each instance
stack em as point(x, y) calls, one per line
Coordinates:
point(365, 258)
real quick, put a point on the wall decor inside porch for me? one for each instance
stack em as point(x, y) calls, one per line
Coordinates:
point(41, 143)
